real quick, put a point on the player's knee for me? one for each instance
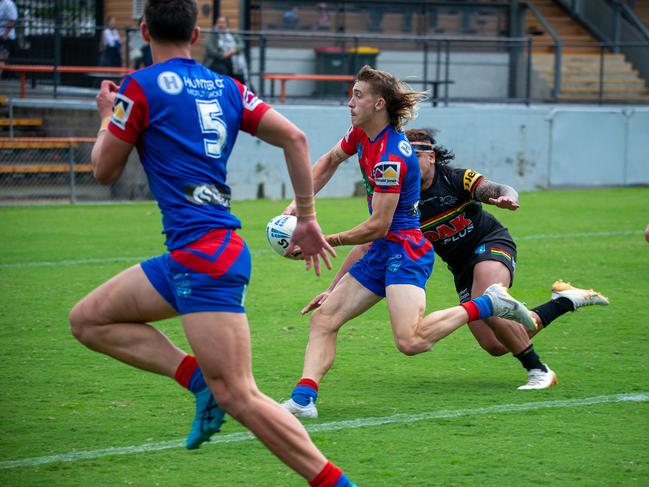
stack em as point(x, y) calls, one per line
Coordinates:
point(78, 323)
point(324, 321)
point(82, 326)
point(411, 345)
point(232, 398)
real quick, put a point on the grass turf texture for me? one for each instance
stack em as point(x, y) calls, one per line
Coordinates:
point(59, 397)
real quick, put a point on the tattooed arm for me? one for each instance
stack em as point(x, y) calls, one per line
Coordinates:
point(501, 195)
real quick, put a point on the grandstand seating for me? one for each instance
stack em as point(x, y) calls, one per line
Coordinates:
point(42, 155)
point(581, 60)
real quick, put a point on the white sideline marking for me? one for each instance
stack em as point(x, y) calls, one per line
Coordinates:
point(333, 426)
point(108, 260)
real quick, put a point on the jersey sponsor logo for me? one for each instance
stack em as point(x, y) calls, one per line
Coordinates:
point(170, 83)
point(469, 179)
point(121, 110)
point(456, 229)
point(250, 100)
point(414, 210)
point(202, 84)
point(387, 173)
point(405, 148)
point(207, 194)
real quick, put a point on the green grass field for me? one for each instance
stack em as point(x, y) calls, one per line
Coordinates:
point(450, 417)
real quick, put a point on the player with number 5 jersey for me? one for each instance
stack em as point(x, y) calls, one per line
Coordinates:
point(184, 114)
point(184, 119)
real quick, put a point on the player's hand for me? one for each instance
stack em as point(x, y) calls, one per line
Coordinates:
point(505, 202)
point(316, 302)
point(106, 97)
point(291, 209)
point(308, 237)
point(296, 254)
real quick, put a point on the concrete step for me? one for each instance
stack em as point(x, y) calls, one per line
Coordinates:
point(630, 85)
point(580, 75)
point(607, 90)
point(609, 97)
point(565, 39)
point(582, 58)
point(547, 49)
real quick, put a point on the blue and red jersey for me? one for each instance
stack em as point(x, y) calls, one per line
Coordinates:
point(184, 120)
point(388, 165)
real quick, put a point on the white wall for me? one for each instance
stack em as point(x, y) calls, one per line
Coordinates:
point(529, 148)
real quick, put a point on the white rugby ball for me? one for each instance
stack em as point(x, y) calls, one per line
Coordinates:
point(279, 231)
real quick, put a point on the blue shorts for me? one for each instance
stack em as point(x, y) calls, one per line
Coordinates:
point(209, 274)
point(403, 257)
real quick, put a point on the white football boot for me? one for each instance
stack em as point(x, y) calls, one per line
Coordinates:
point(299, 411)
point(578, 297)
point(539, 379)
point(507, 307)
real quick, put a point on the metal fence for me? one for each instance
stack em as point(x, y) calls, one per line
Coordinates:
point(59, 169)
point(453, 69)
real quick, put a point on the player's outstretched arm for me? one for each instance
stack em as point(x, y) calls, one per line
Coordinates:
point(375, 227)
point(497, 194)
point(277, 130)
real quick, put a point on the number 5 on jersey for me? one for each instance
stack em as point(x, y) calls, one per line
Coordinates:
point(209, 112)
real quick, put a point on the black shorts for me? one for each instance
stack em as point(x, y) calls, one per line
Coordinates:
point(500, 249)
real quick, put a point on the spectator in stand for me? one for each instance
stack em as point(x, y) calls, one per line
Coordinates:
point(8, 17)
point(111, 53)
point(290, 18)
point(139, 52)
point(324, 20)
point(223, 50)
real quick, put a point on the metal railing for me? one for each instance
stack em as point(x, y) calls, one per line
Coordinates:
point(453, 68)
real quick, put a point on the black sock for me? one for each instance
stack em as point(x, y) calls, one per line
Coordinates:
point(550, 311)
point(529, 359)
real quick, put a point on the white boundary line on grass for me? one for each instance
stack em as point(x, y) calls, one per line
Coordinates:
point(108, 260)
point(333, 426)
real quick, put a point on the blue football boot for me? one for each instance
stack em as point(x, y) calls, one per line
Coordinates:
point(208, 419)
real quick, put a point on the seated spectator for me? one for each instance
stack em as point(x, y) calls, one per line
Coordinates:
point(139, 51)
point(323, 21)
point(290, 18)
point(111, 53)
point(8, 17)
